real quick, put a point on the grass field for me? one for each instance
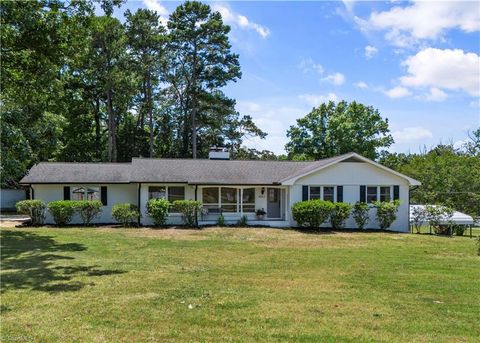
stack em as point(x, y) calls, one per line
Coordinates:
point(236, 285)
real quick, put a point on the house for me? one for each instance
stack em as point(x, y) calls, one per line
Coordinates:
point(231, 187)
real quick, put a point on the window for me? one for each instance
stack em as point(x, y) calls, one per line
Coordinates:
point(211, 198)
point(371, 194)
point(85, 193)
point(176, 193)
point(171, 193)
point(248, 200)
point(328, 193)
point(315, 192)
point(229, 199)
point(157, 192)
point(385, 193)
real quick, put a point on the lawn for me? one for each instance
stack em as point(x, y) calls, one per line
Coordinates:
point(236, 285)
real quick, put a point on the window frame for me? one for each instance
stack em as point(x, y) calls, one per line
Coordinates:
point(239, 204)
point(379, 192)
point(171, 210)
point(85, 192)
point(322, 192)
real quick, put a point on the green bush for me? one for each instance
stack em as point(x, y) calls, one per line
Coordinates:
point(158, 210)
point(341, 212)
point(312, 213)
point(189, 210)
point(418, 217)
point(386, 212)
point(126, 214)
point(439, 218)
point(33, 208)
point(458, 229)
point(62, 211)
point(243, 221)
point(88, 210)
point(361, 214)
point(221, 220)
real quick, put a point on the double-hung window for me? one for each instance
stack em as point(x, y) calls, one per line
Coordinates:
point(85, 193)
point(228, 199)
point(171, 193)
point(322, 192)
point(372, 194)
point(385, 194)
point(382, 193)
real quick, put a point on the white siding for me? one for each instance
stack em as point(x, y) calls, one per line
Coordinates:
point(351, 175)
point(116, 193)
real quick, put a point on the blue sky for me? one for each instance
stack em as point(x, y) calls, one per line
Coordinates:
point(417, 62)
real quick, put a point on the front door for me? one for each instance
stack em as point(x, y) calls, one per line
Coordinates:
point(273, 203)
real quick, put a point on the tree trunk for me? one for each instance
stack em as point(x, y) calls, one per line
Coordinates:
point(112, 139)
point(194, 129)
point(97, 128)
point(150, 111)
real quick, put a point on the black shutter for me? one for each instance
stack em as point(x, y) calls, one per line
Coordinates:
point(304, 193)
point(66, 193)
point(103, 195)
point(339, 193)
point(363, 195)
point(396, 192)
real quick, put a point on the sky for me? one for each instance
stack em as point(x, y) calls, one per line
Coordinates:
point(417, 62)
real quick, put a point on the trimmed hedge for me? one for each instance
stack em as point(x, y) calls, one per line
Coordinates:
point(62, 211)
point(189, 210)
point(126, 214)
point(361, 214)
point(386, 212)
point(312, 213)
point(341, 212)
point(88, 210)
point(158, 210)
point(33, 208)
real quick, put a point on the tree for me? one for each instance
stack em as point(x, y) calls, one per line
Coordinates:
point(146, 40)
point(200, 59)
point(333, 129)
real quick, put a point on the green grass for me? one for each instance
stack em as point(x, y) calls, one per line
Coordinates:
point(236, 285)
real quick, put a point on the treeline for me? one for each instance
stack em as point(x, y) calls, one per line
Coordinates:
point(77, 86)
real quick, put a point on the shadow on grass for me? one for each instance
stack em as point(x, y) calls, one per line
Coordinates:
point(29, 261)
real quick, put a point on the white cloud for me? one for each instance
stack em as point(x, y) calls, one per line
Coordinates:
point(447, 69)
point(370, 51)
point(436, 94)
point(307, 65)
point(156, 5)
point(397, 92)
point(336, 78)
point(361, 85)
point(410, 134)
point(423, 20)
point(235, 19)
point(315, 100)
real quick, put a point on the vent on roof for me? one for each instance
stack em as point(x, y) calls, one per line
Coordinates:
point(218, 153)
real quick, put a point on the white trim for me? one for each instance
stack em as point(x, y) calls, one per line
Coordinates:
point(292, 180)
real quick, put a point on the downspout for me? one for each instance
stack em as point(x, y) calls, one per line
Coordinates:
point(196, 213)
point(138, 202)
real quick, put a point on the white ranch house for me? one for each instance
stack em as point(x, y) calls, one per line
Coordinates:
point(231, 187)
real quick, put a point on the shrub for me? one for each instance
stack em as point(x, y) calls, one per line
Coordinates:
point(418, 217)
point(439, 218)
point(361, 214)
point(221, 220)
point(341, 212)
point(88, 209)
point(458, 229)
point(189, 210)
point(62, 211)
point(312, 213)
point(158, 210)
point(386, 212)
point(243, 221)
point(126, 214)
point(33, 208)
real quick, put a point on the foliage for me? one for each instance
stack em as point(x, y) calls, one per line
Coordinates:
point(126, 214)
point(459, 230)
point(33, 208)
point(62, 211)
point(341, 212)
point(360, 214)
point(158, 210)
point(448, 175)
point(333, 129)
point(478, 245)
point(418, 217)
point(312, 213)
point(221, 220)
point(260, 212)
point(88, 210)
point(189, 210)
point(386, 213)
point(439, 218)
point(243, 221)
